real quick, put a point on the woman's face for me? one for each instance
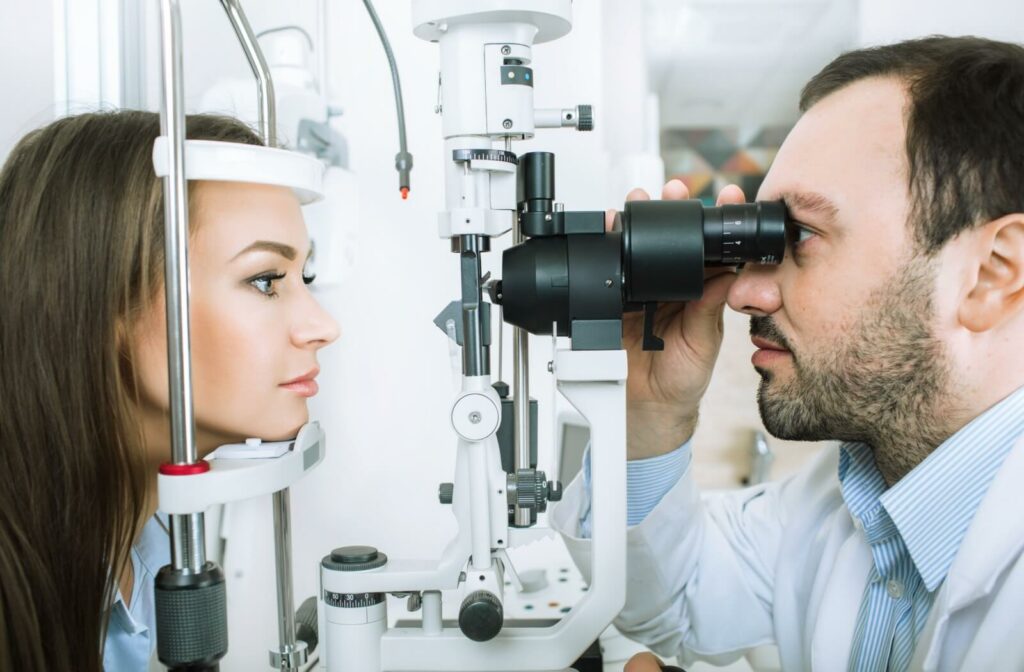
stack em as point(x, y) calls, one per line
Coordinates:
point(256, 328)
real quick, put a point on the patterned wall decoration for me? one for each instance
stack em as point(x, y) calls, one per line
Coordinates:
point(707, 159)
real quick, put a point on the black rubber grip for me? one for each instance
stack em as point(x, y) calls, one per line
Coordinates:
point(191, 618)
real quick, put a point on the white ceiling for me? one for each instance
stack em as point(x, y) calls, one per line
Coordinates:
point(740, 62)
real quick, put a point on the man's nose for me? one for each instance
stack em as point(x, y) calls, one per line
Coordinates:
point(755, 291)
point(315, 326)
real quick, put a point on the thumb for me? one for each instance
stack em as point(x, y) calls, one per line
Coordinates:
point(643, 662)
point(704, 316)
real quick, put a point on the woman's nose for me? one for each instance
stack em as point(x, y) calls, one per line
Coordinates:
point(755, 291)
point(316, 327)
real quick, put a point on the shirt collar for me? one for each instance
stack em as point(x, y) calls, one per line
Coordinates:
point(153, 545)
point(934, 504)
point(149, 554)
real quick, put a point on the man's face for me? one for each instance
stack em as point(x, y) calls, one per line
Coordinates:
point(852, 304)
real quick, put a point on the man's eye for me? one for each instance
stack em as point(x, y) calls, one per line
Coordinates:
point(798, 234)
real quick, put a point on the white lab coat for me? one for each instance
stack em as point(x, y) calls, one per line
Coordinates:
point(783, 563)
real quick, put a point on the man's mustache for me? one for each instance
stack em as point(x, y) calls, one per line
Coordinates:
point(764, 327)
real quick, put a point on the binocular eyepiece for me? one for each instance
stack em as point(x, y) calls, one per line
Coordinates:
point(573, 277)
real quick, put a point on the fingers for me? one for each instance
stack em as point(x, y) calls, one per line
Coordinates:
point(638, 195)
point(674, 190)
point(703, 320)
point(643, 662)
point(609, 219)
point(731, 194)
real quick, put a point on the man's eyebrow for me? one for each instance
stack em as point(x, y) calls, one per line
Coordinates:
point(804, 201)
point(286, 251)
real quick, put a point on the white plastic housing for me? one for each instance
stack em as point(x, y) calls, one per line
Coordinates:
point(237, 162)
point(233, 480)
point(355, 647)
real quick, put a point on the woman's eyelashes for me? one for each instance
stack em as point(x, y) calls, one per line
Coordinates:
point(308, 274)
point(264, 283)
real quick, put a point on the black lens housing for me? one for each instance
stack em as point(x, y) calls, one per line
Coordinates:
point(573, 274)
point(666, 245)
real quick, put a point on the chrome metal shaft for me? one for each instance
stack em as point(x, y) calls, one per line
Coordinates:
point(264, 83)
point(521, 398)
point(187, 547)
point(283, 559)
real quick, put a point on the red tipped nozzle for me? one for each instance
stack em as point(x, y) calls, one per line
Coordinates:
point(405, 193)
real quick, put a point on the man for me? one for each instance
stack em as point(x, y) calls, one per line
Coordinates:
point(895, 324)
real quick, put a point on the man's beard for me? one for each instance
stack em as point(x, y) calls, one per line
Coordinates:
point(885, 382)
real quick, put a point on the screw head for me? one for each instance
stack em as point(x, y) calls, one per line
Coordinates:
point(551, 367)
point(506, 50)
point(608, 282)
point(475, 417)
point(507, 124)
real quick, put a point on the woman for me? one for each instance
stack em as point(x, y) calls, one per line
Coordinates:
point(84, 419)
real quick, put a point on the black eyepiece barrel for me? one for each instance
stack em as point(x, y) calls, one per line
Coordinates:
point(537, 177)
point(667, 244)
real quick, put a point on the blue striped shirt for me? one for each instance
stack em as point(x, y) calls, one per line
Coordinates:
point(914, 528)
point(647, 481)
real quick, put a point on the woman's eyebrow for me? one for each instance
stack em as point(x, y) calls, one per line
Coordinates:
point(286, 251)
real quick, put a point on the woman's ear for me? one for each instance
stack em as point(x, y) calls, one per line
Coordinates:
point(998, 290)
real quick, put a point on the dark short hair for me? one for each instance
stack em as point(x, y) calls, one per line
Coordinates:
point(965, 126)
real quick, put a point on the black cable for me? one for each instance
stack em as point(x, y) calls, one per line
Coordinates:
point(403, 160)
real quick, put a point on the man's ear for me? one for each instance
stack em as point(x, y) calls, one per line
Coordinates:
point(998, 290)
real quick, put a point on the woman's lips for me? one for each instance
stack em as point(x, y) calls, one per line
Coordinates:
point(305, 385)
point(304, 388)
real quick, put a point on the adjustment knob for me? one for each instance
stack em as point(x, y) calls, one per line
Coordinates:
point(354, 559)
point(445, 492)
point(481, 616)
point(554, 491)
point(585, 119)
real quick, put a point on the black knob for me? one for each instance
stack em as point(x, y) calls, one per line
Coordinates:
point(585, 121)
point(354, 559)
point(554, 491)
point(481, 616)
point(445, 492)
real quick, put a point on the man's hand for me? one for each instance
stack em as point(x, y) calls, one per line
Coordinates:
point(644, 662)
point(664, 388)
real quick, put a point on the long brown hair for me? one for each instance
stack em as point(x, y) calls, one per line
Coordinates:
point(81, 252)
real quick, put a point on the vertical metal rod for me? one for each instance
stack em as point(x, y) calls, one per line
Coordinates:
point(521, 397)
point(179, 363)
point(283, 558)
point(474, 360)
point(265, 86)
point(501, 343)
point(501, 309)
point(282, 500)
